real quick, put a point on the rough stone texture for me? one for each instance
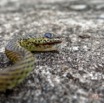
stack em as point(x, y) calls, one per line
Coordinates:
point(76, 74)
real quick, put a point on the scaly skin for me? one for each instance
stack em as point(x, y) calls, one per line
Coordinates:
point(19, 52)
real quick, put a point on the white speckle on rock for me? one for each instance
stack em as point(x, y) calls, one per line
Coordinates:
point(16, 18)
point(7, 26)
point(78, 7)
point(2, 49)
point(75, 48)
point(85, 47)
point(57, 79)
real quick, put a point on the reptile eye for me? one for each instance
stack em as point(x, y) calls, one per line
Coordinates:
point(48, 35)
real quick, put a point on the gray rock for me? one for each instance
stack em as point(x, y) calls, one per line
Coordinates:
point(76, 74)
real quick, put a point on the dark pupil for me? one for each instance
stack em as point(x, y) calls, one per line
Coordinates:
point(48, 35)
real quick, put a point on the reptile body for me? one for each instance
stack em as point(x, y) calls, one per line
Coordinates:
point(19, 52)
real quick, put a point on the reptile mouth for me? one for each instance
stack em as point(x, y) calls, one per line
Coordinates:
point(52, 43)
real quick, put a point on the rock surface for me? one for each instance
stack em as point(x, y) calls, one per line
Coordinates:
point(76, 74)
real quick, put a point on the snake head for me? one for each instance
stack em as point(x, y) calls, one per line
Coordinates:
point(40, 44)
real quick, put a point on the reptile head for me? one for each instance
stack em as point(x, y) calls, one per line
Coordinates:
point(40, 44)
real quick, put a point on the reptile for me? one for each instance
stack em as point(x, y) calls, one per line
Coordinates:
point(19, 51)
